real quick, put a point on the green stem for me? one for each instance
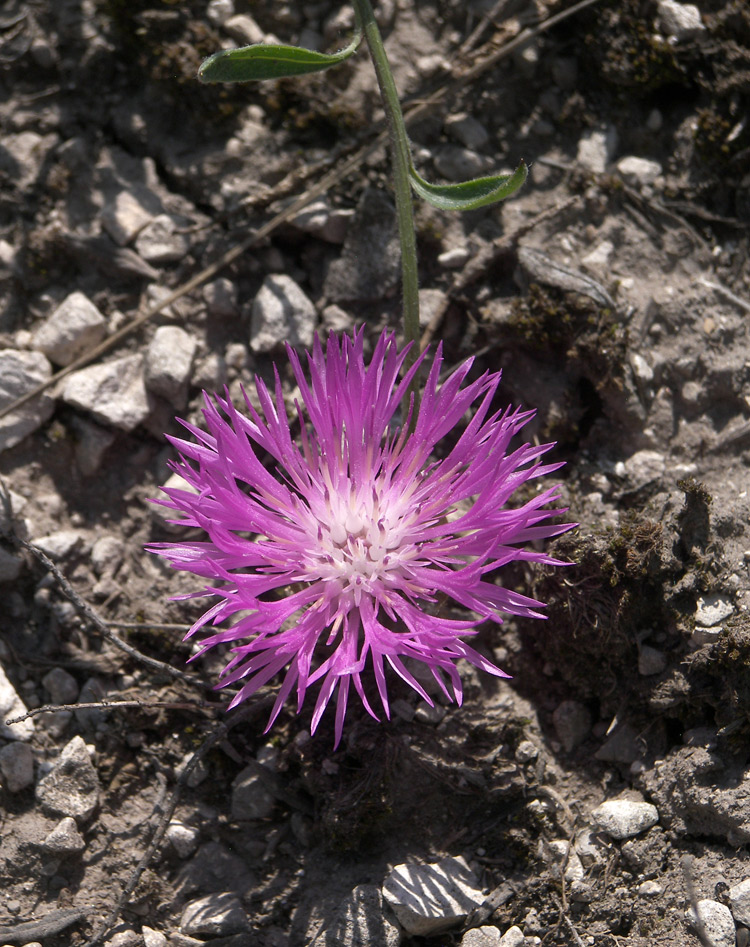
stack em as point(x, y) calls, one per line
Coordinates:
point(401, 161)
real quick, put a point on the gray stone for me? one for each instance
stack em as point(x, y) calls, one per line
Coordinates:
point(281, 313)
point(10, 566)
point(458, 164)
point(244, 30)
point(71, 788)
point(218, 12)
point(484, 937)
point(713, 609)
point(620, 747)
point(598, 259)
point(642, 468)
point(679, 20)
point(650, 661)
point(428, 899)
point(526, 752)
point(625, 818)
point(91, 443)
point(467, 129)
point(23, 155)
point(183, 838)
point(75, 326)
point(561, 853)
point(513, 937)
point(113, 392)
point(250, 797)
point(106, 555)
point(11, 705)
point(128, 212)
point(215, 914)
point(717, 922)
point(370, 264)
point(639, 170)
point(210, 373)
point(454, 258)
point(572, 722)
point(162, 239)
point(65, 838)
point(739, 902)
point(61, 544)
point(17, 766)
point(169, 361)
point(164, 514)
point(152, 938)
point(321, 220)
point(360, 921)
point(221, 298)
point(21, 373)
point(596, 149)
point(61, 686)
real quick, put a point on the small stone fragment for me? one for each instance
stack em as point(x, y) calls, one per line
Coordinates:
point(61, 544)
point(65, 838)
point(620, 747)
point(11, 706)
point(164, 514)
point(183, 838)
point(20, 373)
point(221, 298)
point(458, 164)
point(713, 609)
point(739, 901)
point(513, 937)
point(169, 361)
point(61, 686)
point(162, 240)
point(572, 722)
point(483, 937)
point(717, 922)
point(625, 818)
point(215, 915)
point(106, 555)
point(322, 220)
point(651, 661)
point(17, 766)
point(10, 566)
point(71, 788)
point(113, 392)
point(360, 921)
point(454, 258)
point(679, 20)
point(152, 938)
point(596, 149)
point(76, 325)
point(91, 443)
point(250, 797)
point(639, 171)
point(428, 899)
point(125, 216)
point(281, 313)
point(244, 30)
point(468, 130)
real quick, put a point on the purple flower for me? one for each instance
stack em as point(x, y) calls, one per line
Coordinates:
point(329, 556)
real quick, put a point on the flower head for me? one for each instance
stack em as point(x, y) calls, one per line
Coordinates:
point(329, 555)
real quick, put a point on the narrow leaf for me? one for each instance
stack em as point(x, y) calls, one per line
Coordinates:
point(468, 195)
point(264, 61)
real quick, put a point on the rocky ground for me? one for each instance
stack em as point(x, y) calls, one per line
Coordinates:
point(600, 792)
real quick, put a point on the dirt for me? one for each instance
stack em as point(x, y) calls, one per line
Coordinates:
point(616, 306)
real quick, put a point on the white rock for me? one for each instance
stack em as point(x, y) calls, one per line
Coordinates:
point(596, 149)
point(61, 686)
point(169, 361)
point(650, 889)
point(152, 938)
point(483, 937)
point(281, 313)
point(625, 818)
point(113, 392)
point(739, 901)
point(322, 220)
point(218, 12)
point(162, 240)
point(717, 922)
point(17, 766)
point(599, 257)
point(590, 848)
point(124, 216)
point(163, 514)
point(244, 30)
point(458, 164)
point(427, 899)
point(572, 723)
point(71, 788)
point(106, 555)
point(680, 20)
point(574, 870)
point(713, 609)
point(182, 838)
point(639, 170)
point(466, 129)
point(221, 298)
point(643, 372)
point(513, 937)
point(64, 838)
point(20, 373)
point(75, 326)
point(11, 705)
point(642, 468)
point(60, 544)
point(217, 914)
point(454, 258)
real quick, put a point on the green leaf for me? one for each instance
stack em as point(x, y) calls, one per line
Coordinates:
point(264, 61)
point(468, 195)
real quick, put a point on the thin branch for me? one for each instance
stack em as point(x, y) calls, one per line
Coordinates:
point(105, 704)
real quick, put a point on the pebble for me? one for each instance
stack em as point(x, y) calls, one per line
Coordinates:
point(127, 938)
point(162, 240)
point(113, 392)
point(124, 216)
point(321, 220)
point(679, 20)
point(65, 838)
point(75, 326)
point(526, 752)
point(467, 129)
point(221, 298)
point(454, 258)
point(427, 899)
point(218, 12)
point(427, 714)
point(638, 171)
point(71, 788)
point(739, 902)
point(164, 514)
point(641, 468)
point(152, 938)
point(650, 889)
point(713, 609)
point(216, 915)
point(168, 364)
point(91, 443)
point(61, 544)
point(650, 661)
point(359, 919)
point(281, 313)
point(250, 797)
point(244, 30)
point(11, 705)
point(20, 373)
point(572, 723)
point(106, 555)
point(560, 850)
point(455, 163)
point(483, 937)
point(599, 257)
point(183, 838)
point(620, 747)
point(625, 818)
point(17, 766)
point(597, 148)
point(10, 566)
point(717, 922)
